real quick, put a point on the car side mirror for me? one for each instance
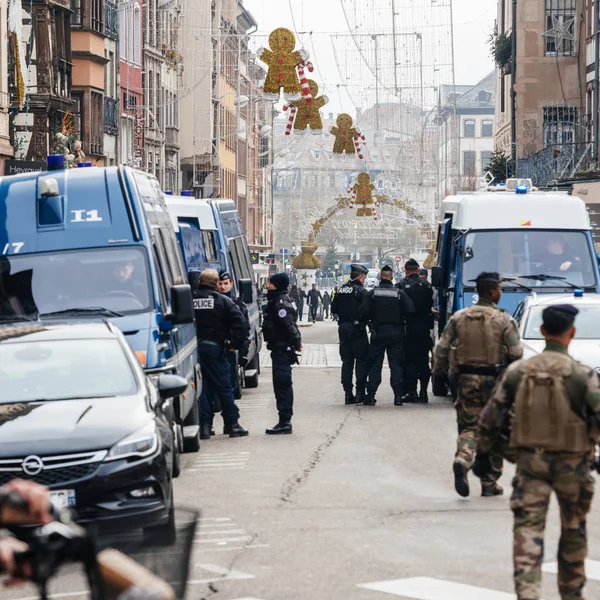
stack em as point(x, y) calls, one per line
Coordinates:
point(245, 287)
point(171, 386)
point(436, 277)
point(182, 305)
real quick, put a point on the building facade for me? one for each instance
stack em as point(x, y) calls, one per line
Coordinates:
point(6, 149)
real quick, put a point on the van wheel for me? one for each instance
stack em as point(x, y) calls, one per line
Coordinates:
point(254, 365)
point(192, 444)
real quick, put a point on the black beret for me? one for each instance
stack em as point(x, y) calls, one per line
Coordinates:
point(568, 309)
point(387, 269)
point(411, 264)
point(359, 269)
point(490, 277)
point(224, 275)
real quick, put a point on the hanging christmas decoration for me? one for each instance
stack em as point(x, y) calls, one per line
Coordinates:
point(562, 31)
point(357, 145)
point(352, 193)
point(282, 61)
point(308, 112)
point(363, 195)
point(15, 28)
point(344, 135)
point(292, 116)
point(304, 82)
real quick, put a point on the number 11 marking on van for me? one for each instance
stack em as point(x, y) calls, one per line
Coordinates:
point(15, 246)
point(85, 216)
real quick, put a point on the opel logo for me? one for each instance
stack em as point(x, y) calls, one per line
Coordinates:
point(32, 465)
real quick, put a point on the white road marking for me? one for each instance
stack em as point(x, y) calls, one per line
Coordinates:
point(592, 569)
point(224, 532)
point(223, 573)
point(237, 548)
point(216, 519)
point(427, 588)
point(63, 595)
point(221, 541)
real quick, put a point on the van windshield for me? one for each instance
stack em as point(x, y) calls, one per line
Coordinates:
point(114, 279)
point(552, 254)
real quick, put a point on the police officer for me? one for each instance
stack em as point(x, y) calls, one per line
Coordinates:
point(225, 286)
point(419, 342)
point(283, 340)
point(220, 327)
point(352, 330)
point(554, 403)
point(483, 340)
point(386, 309)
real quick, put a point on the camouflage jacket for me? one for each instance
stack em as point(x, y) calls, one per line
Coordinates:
point(449, 339)
point(583, 389)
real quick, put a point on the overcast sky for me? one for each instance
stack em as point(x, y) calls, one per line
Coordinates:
point(473, 23)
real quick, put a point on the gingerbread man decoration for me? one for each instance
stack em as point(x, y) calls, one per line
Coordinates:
point(363, 191)
point(308, 112)
point(344, 135)
point(282, 61)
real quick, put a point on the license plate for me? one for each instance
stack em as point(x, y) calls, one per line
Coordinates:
point(63, 498)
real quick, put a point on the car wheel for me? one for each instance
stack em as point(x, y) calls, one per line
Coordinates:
point(163, 535)
point(192, 444)
point(253, 365)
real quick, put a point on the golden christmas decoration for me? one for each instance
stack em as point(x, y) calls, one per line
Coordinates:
point(344, 135)
point(308, 114)
point(363, 195)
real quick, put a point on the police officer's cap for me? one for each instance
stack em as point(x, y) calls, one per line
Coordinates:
point(281, 281)
point(360, 269)
point(411, 265)
point(489, 277)
point(225, 275)
point(387, 269)
point(558, 318)
point(567, 309)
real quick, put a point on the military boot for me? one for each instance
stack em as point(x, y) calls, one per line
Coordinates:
point(226, 428)
point(205, 431)
point(237, 430)
point(398, 399)
point(284, 427)
point(370, 400)
point(492, 490)
point(350, 398)
point(411, 397)
point(461, 483)
point(360, 396)
point(423, 397)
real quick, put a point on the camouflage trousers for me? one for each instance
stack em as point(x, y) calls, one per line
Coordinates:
point(473, 393)
point(538, 475)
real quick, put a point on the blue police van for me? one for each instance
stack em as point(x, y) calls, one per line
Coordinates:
point(99, 243)
point(212, 236)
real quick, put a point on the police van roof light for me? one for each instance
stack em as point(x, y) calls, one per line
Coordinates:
point(168, 192)
point(84, 164)
point(48, 187)
point(578, 293)
point(187, 193)
point(55, 162)
point(522, 189)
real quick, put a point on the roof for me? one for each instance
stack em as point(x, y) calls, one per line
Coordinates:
point(508, 210)
point(182, 206)
point(550, 299)
point(42, 332)
point(481, 95)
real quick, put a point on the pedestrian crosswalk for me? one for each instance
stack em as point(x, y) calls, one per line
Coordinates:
point(220, 461)
point(221, 532)
point(254, 404)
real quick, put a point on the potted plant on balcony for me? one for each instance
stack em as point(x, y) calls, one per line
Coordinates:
point(501, 51)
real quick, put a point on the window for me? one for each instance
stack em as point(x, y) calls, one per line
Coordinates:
point(77, 112)
point(559, 125)
point(469, 128)
point(137, 32)
point(98, 15)
point(469, 159)
point(97, 128)
point(210, 247)
point(560, 31)
point(123, 31)
point(486, 157)
point(76, 17)
point(487, 128)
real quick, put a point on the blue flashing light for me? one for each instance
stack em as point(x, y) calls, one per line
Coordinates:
point(84, 165)
point(500, 185)
point(168, 193)
point(578, 293)
point(186, 193)
point(522, 189)
point(55, 162)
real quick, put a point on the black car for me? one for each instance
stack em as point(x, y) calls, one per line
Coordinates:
point(78, 415)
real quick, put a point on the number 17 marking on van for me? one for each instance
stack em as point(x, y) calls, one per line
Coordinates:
point(85, 216)
point(15, 247)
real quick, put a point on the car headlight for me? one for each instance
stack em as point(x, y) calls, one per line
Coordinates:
point(140, 444)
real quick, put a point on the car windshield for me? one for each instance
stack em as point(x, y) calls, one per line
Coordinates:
point(114, 279)
point(587, 323)
point(64, 369)
point(513, 254)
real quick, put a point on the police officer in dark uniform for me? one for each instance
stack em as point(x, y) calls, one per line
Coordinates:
point(418, 333)
point(283, 340)
point(218, 321)
point(354, 342)
point(386, 309)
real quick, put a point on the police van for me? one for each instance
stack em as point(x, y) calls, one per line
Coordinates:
point(538, 241)
point(99, 243)
point(212, 236)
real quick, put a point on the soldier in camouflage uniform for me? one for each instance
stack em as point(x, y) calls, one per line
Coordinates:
point(483, 340)
point(553, 405)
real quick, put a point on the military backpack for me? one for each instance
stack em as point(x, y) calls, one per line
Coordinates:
point(480, 333)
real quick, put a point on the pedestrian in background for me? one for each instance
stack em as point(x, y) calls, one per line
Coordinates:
point(220, 328)
point(424, 273)
point(326, 304)
point(419, 342)
point(386, 309)
point(554, 403)
point(284, 341)
point(314, 297)
point(484, 340)
point(352, 331)
point(335, 290)
point(296, 298)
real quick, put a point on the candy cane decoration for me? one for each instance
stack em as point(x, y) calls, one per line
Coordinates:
point(304, 81)
point(375, 209)
point(352, 193)
point(358, 146)
point(290, 122)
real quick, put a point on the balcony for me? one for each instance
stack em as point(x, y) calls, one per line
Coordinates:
point(111, 116)
point(172, 138)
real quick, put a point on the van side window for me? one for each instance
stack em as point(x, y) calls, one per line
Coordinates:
point(518, 316)
point(162, 288)
point(210, 247)
point(163, 260)
point(172, 253)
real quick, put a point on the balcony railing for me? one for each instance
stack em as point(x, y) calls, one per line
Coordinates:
point(111, 20)
point(111, 116)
